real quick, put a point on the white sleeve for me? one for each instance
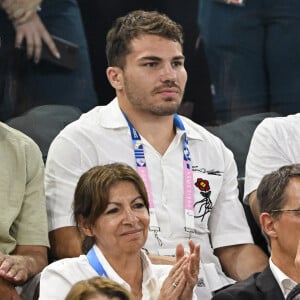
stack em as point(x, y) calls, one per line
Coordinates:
point(66, 162)
point(53, 285)
point(228, 223)
point(266, 153)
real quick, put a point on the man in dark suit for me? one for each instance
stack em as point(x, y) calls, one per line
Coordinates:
point(278, 196)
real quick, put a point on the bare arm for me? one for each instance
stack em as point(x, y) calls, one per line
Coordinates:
point(23, 263)
point(162, 260)
point(167, 260)
point(240, 261)
point(8, 291)
point(65, 242)
point(253, 203)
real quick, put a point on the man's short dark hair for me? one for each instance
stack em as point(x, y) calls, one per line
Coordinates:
point(133, 25)
point(271, 190)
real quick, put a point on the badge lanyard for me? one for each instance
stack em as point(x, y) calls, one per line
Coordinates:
point(188, 178)
point(95, 263)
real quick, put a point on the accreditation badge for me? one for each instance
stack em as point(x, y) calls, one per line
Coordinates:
point(233, 2)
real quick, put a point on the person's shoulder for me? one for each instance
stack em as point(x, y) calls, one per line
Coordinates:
point(277, 126)
point(16, 137)
point(281, 121)
point(245, 289)
point(62, 265)
point(96, 118)
point(197, 131)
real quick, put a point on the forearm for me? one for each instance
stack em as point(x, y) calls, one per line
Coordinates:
point(162, 260)
point(65, 242)
point(7, 290)
point(240, 261)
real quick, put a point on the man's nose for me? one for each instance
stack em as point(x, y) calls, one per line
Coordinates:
point(168, 73)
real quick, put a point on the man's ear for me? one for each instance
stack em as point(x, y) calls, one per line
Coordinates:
point(267, 222)
point(115, 77)
point(84, 226)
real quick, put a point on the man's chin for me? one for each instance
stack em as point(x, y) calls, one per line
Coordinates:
point(166, 110)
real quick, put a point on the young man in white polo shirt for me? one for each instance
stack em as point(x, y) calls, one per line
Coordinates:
point(191, 177)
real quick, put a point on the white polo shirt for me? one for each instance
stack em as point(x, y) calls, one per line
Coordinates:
point(275, 143)
point(58, 278)
point(102, 136)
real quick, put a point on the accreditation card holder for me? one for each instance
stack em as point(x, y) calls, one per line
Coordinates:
point(232, 2)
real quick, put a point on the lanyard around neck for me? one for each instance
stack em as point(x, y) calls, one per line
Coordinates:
point(188, 178)
point(95, 263)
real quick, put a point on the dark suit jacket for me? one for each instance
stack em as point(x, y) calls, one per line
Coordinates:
point(259, 286)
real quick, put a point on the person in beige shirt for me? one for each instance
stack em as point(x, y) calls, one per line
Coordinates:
point(23, 222)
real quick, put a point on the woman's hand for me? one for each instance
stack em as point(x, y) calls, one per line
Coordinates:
point(35, 33)
point(183, 276)
point(191, 271)
point(174, 284)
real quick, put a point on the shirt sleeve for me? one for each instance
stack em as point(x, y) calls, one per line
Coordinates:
point(66, 162)
point(266, 154)
point(31, 223)
point(55, 278)
point(228, 223)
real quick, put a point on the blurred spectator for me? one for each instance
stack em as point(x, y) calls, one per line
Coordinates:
point(275, 143)
point(26, 83)
point(252, 47)
point(94, 288)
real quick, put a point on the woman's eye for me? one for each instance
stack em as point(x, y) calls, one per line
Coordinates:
point(139, 205)
point(112, 211)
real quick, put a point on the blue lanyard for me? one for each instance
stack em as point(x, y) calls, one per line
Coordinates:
point(186, 151)
point(95, 263)
point(188, 176)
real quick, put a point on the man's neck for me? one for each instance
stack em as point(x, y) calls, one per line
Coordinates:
point(159, 131)
point(287, 266)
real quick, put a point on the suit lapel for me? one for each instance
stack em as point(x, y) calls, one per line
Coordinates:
point(267, 284)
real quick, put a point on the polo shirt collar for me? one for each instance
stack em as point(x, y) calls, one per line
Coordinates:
point(111, 116)
point(113, 112)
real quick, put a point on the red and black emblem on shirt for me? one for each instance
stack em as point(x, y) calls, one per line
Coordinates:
point(203, 206)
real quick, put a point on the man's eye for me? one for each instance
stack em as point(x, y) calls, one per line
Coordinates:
point(177, 63)
point(150, 64)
